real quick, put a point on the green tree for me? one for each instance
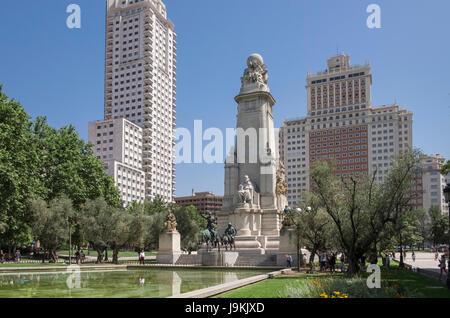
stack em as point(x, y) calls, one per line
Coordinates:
point(50, 224)
point(408, 229)
point(445, 169)
point(314, 227)
point(189, 223)
point(99, 223)
point(360, 207)
point(438, 226)
point(67, 166)
point(19, 175)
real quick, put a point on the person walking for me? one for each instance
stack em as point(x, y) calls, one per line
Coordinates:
point(436, 256)
point(82, 257)
point(2, 257)
point(442, 266)
point(332, 262)
point(342, 262)
point(288, 261)
point(77, 256)
point(413, 255)
point(17, 256)
point(388, 261)
point(323, 260)
point(142, 258)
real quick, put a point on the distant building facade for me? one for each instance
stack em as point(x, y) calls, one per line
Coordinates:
point(433, 183)
point(118, 144)
point(342, 124)
point(203, 201)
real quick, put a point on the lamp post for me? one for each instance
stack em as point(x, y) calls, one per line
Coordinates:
point(297, 229)
point(70, 240)
point(447, 200)
point(297, 226)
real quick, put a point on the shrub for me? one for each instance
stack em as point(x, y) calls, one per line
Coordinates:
point(337, 287)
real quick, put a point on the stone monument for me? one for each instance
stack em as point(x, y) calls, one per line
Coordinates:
point(254, 196)
point(169, 242)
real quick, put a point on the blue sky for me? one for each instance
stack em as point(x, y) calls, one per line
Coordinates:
point(58, 72)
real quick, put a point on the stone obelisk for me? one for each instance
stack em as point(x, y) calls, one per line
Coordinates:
point(253, 201)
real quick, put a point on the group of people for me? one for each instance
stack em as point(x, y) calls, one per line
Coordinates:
point(17, 256)
point(328, 261)
point(80, 256)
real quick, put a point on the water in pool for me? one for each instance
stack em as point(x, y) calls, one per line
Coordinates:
point(139, 283)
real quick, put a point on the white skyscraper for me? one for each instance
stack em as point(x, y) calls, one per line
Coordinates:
point(140, 76)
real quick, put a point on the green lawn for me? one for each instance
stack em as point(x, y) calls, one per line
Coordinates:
point(31, 264)
point(405, 279)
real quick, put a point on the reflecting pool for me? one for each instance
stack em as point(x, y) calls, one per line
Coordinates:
point(136, 283)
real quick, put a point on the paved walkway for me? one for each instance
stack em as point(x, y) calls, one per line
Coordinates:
point(424, 261)
point(126, 258)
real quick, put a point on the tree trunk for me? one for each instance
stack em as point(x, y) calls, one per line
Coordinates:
point(11, 250)
point(99, 256)
point(52, 254)
point(115, 255)
point(353, 266)
point(401, 264)
point(311, 260)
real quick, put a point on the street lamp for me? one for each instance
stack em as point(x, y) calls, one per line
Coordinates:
point(299, 210)
point(69, 221)
point(447, 200)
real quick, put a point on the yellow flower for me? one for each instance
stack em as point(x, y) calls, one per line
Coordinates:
point(336, 292)
point(324, 295)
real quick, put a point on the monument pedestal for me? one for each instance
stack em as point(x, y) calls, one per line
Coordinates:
point(216, 258)
point(169, 248)
point(288, 246)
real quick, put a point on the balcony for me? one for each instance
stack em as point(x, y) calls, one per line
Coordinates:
point(148, 57)
point(148, 67)
point(148, 94)
point(147, 165)
point(148, 80)
point(148, 115)
point(147, 137)
point(148, 32)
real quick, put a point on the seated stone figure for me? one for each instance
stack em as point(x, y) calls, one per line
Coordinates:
point(246, 191)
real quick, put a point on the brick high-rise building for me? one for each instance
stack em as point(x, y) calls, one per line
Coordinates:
point(140, 76)
point(342, 124)
point(203, 202)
